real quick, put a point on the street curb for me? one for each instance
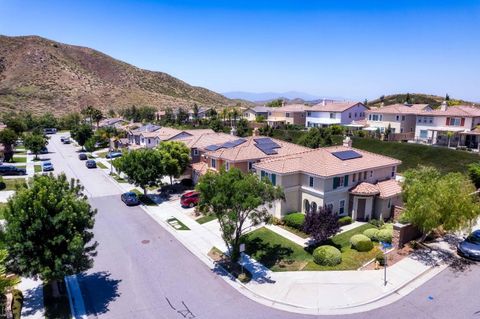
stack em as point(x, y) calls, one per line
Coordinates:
point(77, 306)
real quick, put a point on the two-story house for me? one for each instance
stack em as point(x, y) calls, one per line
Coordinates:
point(339, 113)
point(346, 180)
point(251, 114)
point(202, 113)
point(199, 142)
point(153, 139)
point(432, 126)
point(135, 135)
point(293, 114)
point(400, 118)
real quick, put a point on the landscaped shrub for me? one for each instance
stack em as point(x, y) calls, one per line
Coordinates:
point(388, 226)
point(361, 242)
point(2, 184)
point(327, 256)
point(294, 220)
point(403, 219)
point(346, 220)
point(385, 235)
point(376, 222)
point(380, 257)
point(17, 304)
point(371, 233)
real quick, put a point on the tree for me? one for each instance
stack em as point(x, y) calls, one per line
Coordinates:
point(35, 142)
point(321, 224)
point(169, 117)
point(175, 158)
point(15, 123)
point(260, 118)
point(70, 121)
point(144, 167)
point(216, 125)
point(182, 116)
point(5, 282)
point(242, 127)
point(224, 114)
point(47, 120)
point(447, 97)
point(235, 114)
point(8, 138)
point(196, 110)
point(48, 229)
point(88, 113)
point(474, 173)
point(408, 99)
point(433, 201)
point(234, 198)
point(81, 134)
point(97, 116)
point(275, 103)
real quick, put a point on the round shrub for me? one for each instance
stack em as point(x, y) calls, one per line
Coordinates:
point(361, 242)
point(380, 257)
point(346, 220)
point(388, 226)
point(385, 235)
point(371, 233)
point(294, 220)
point(327, 255)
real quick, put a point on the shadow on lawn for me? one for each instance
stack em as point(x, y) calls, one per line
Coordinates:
point(267, 254)
point(312, 245)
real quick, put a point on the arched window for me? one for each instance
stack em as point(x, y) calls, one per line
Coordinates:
point(314, 207)
point(306, 205)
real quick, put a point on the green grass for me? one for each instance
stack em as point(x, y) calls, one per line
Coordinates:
point(11, 183)
point(295, 231)
point(182, 225)
point(20, 152)
point(19, 159)
point(56, 308)
point(444, 159)
point(38, 168)
point(280, 254)
point(2, 205)
point(90, 156)
point(101, 154)
point(116, 176)
point(206, 219)
point(145, 200)
point(101, 165)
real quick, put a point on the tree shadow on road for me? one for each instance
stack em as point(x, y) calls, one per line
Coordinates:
point(32, 301)
point(436, 257)
point(98, 291)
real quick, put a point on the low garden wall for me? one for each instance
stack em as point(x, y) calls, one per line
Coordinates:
point(403, 233)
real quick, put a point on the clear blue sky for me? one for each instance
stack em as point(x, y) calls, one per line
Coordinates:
point(355, 49)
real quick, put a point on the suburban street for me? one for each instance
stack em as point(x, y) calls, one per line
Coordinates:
point(142, 271)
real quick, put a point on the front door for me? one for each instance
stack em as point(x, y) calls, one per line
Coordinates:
point(361, 203)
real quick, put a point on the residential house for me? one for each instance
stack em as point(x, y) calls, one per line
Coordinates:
point(153, 139)
point(251, 114)
point(115, 122)
point(432, 126)
point(202, 113)
point(346, 180)
point(242, 153)
point(339, 113)
point(134, 135)
point(199, 142)
point(400, 118)
point(293, 114)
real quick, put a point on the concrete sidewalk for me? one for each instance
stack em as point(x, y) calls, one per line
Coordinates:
point(32, 291)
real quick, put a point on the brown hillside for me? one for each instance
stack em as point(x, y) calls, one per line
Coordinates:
point(39, 75)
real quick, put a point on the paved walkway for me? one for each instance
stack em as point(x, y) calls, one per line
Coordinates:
point(32, 291)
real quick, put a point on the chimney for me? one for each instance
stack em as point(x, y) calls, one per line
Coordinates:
point(256, 132)
point(324, 102)
point(444, 106)
point(347, 142)
point(233, 131)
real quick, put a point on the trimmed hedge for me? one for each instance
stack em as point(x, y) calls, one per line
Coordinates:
point(371, 233)
point(385, 235)
point(380, 257)
point(17, 304)
point(346, 220)
point(294, 220)
point(327, 255)
point(376, 222)
point(361, 242)
point(388, 226)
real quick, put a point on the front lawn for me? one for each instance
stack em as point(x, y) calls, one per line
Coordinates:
point(178, 225)
point(206, 218)
point(2, 205)
point(116, 176)
point(11, 183)
point(101, 165)
point(280, 254)
point(17, 159)
point(38, 168)
point(20, 152)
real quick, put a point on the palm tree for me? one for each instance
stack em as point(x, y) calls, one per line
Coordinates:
point(235, 115)
point(224, 114)
point(196, 110)
point(97, 116)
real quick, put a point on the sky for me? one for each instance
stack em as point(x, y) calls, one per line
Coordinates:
point(351, 49)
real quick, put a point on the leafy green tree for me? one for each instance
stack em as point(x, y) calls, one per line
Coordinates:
point(15, 123)
point(5, 282)
point(234, 198)
point(81, 134)
point(169, 117)
point(144, 167)
point(97, 116)
point(35, 142)
point(235, 114)
point(260, 119)
point(474, 173)
point(275, 103)
point(70, 121)
point(47, 120)
point(48, 229)
point(216, 125)
point(8, 138)
point(447, 97)
point(433, 201)
point(182, 116)
point(175, 158)
point(242, 127)
point(88, 113)
point(196, 110)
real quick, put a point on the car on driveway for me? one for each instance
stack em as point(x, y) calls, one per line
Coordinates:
point(113, 155)
point(44, 150)
point(91, 164)
point(82, 156)
point(190, 199)
point(130, 199)
point(7, 170)
point(470, 247)
point(47, 167)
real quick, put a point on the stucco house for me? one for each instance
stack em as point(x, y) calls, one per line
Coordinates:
point(293, 114)
point(153, 139)
point(252, 113)
point(346, 180)
point(339, 113)
point(134, 135)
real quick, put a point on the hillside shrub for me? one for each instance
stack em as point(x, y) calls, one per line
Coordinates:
point(371, 233)
point(294, 220)
point(346, 220)
point(361, 242)
point(327, 255)
point(385, 235)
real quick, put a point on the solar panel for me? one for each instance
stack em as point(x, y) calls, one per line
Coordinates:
point(346, 155)
point(234, 143)
point(263, 140)
point(267, 149)
point(213, 147)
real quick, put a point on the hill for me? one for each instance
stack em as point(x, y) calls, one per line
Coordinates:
point(415, 98)
point(39, 75)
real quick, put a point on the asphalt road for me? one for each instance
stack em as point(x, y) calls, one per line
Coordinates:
point(141, 271)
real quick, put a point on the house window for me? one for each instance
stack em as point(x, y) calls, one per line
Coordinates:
point(365, 175)
point(309, 113)
point(354, 177)
point(393, 171)
point(306, 206)
point(310, 182)
point(355, 114)
point(149, 141)
point(419, 120)
point(371, 173)
point(403, 117)
point(370, 117)
point(423, 134)
point(250, 166)
point(341, 205)
point(349, 115)
point(389, 204)
point(313, 208)
point(376, 117)
point(454, 121)
point(287, 114)
point(332, 115)
point(329, 207)
point(195, 152)
point(430, 120)
point(269, 113)
point(273, 179)
point(397, 117)
point(214, 163)
point(227, 166)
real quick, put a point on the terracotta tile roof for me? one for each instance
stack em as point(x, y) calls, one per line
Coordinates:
point(248, 151)
point(163, 133)
point(292, 108)
point(259, 109)
point(400, 109)
point(200, 167)
point(460, 110)
point(389, 188)
point(334, 107)
point(365, 188)
point(322, 162)
point(203, 140)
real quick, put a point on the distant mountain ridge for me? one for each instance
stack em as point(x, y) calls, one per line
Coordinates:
point(40, 75)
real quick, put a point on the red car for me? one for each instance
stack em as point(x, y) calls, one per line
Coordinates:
point(190, 199)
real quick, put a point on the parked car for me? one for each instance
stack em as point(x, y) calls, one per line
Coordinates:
point(130, 198)
point(82, 156)
point(113, 155)
point(47, 166)
point(44, 150)
point(65, 139)
point(91, 164)
point(470, 247)
point(7, 170)
point(190, 199)
point(50, 130)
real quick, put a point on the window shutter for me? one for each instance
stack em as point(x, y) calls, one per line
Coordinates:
point(345, 181)
point(448, 121)
point(336, 182)
point(462, 121)
point(274, 179)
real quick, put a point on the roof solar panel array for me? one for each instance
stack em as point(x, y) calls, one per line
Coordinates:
point(346, 155)
point(229, 144)
point(266, 145)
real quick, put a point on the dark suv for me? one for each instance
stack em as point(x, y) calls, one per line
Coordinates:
point(12, 170)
